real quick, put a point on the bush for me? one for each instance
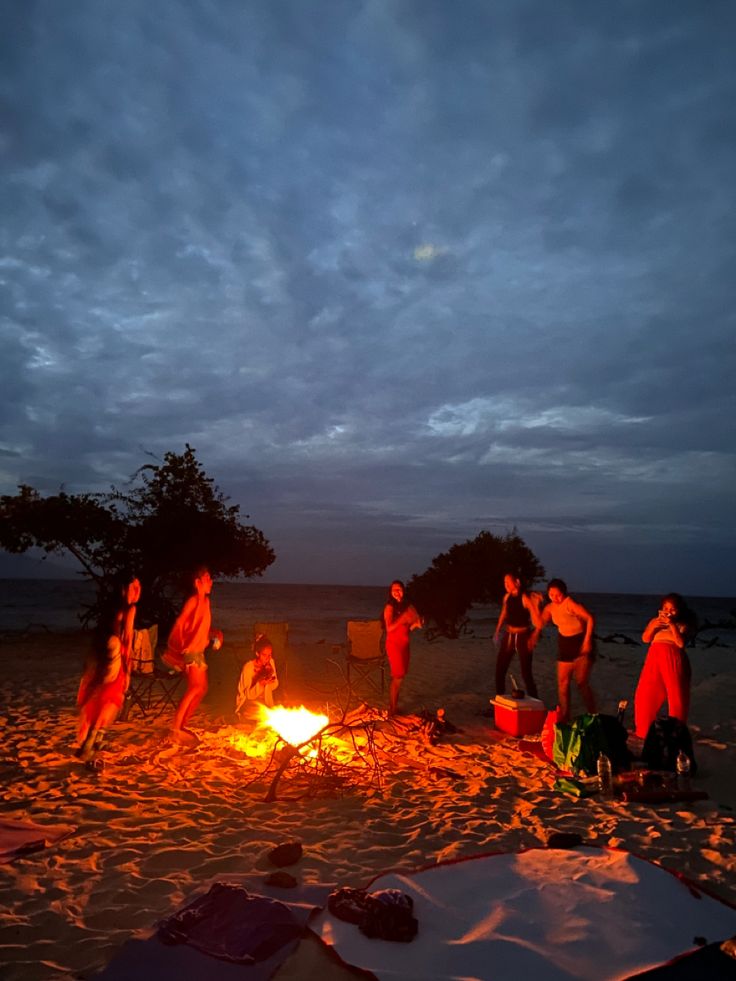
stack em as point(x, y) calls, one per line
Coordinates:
point(469, 573)
point(171, 520)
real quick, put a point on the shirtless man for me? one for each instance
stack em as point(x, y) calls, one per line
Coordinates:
point(189, 638)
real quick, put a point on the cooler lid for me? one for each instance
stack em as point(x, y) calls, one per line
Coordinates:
point(519, 704)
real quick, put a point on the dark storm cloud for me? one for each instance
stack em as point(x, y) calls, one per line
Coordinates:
point(399, 272)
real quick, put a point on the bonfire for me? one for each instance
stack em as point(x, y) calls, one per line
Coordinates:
point(324, 758)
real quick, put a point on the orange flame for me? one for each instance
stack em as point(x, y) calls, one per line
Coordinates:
point(294, 725)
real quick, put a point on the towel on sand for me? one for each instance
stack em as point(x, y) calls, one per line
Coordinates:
point(211, 940)
point(230, 923)
point(19, 838)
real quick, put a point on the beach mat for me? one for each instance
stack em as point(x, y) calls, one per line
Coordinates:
point(709, 963)
point(587, 913)
point(151, 959)
point(18, 838)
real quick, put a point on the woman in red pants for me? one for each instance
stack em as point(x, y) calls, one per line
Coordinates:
point(666, 672)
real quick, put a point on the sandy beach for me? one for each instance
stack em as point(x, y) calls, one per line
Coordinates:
point(158, 822)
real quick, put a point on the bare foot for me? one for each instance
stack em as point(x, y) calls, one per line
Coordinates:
point(184, 737)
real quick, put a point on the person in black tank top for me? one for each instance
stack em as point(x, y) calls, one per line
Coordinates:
point(513, 629)
point(517, 614)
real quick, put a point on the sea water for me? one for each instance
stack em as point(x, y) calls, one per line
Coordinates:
point(319, 613)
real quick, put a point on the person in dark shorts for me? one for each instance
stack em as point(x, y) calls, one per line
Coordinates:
point(575, 627)
point(189, 638)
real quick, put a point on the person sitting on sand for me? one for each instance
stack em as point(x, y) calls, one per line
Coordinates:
point(518, 610)
point(399, 618)
point(666, 673)
point(107, 675)
point(189, 638)
point(258, 679)
point(574, 646)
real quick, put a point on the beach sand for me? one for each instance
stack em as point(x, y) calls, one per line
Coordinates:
point(159, 822)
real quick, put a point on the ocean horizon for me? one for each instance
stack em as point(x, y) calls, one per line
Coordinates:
point(319, 611)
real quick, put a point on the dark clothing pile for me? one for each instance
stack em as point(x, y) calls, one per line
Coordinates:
point(386, 914)
point(230, 923)
point(435, 725)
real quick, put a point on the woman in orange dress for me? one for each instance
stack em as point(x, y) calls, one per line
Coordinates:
point(107, 675)
point(399, 619)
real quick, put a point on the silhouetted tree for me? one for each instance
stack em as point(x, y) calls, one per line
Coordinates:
point(469, 573)
point(171, 519)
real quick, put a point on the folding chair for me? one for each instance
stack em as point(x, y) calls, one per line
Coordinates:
point(153, 687)
point(364, 655)
point(278, 634)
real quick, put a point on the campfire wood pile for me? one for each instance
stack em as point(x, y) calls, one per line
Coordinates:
point(332, 759)
point(318, 767)
point(339, 757)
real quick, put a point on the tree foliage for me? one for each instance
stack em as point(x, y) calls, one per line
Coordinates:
point(469, 573)
point(170, 519)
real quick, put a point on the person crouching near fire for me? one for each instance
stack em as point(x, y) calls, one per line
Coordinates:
point(258, 679)
point(189, 638)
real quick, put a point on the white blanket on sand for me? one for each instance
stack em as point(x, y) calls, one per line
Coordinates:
point(545, 914)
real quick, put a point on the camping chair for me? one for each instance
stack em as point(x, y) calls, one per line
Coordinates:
point(278, 634)
point(364, 655)
point(152, 687)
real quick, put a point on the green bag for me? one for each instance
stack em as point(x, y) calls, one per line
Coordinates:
point(574, 788)
point(578, 743)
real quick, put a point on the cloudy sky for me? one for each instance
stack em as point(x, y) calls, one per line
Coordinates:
point(399, 270)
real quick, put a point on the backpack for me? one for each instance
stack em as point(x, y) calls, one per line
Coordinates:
point(579, 743)
point(665, 739)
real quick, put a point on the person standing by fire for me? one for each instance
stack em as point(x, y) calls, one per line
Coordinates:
point(107, 674)
point(399, 619)
point(666, 673)
point(575, 627)
point(518, 610)
point(189, 638)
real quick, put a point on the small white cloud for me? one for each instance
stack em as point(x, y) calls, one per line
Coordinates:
point(427, 252)
point(579, 418)
point(466, 418)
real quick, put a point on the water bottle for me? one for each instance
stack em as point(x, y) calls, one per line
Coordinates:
point(683, 770)
point(622, 710)
point(605, 776)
